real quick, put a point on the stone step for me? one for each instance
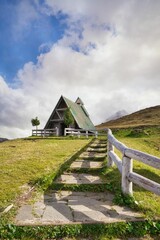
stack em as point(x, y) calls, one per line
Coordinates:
point(78, 178)
point(96, 145)
point(100, 141)
point(86, 164)
point(92, 156)
point(98, 150)
point(66, 207)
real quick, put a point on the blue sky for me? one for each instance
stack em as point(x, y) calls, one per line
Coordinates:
point(23, 42)
point(105, 52)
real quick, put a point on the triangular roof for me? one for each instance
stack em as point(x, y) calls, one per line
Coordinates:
point(79, 114)
point(79, 101)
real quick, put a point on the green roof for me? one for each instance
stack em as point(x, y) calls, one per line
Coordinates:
point(80, 115)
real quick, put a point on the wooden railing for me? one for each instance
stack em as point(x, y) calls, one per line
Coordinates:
point(125, 166)
point(45, 132)
point(80, 132)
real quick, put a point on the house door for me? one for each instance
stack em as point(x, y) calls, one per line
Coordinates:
point(62, 127)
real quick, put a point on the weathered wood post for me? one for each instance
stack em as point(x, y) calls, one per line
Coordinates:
point(79, 134)
point(127, 166)
point(44, 133)
point(86, 134)
point(65, 132)
point(110, 147)
point(57, 131)
point(96, 134)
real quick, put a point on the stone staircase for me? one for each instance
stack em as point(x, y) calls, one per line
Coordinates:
point(88, 160)
point(73, 205)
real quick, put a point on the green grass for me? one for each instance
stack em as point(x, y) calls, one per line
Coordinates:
point(27, 161)
point(148, 202)
point(83, 231)
point(35, 161)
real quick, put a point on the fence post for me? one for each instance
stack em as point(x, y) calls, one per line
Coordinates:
point(96, 134)
point(79, 134)
point(110, 147)
point(65, 132)
point(86, 134)
point(127, 166)
point(44, 134)
point(57, 132)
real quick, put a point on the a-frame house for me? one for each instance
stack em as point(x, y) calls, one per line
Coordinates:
point(78, 111)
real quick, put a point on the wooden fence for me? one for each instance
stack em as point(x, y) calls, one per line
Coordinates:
point(125, 166)
point(45, 132)
point(80, 132)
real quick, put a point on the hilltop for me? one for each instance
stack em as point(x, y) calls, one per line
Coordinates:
point(145, 117)
point(117, 115)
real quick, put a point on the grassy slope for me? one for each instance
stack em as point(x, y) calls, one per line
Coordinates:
point(25, 161)
point(145, 117)
point(146, 140)
point(149, 202)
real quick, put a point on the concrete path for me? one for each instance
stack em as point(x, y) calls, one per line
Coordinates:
point(63, 207)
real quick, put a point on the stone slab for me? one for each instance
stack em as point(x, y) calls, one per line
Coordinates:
point(98, 145)
point(69, 195)
point(68, 207)
point(79, 178)
point(100, 142)
point(85, 164)
point(92, 155)
point(39, 208)
point(25, 212)
point(57, 213)
point(97, 150)
point(25, 215)
point(93, 216)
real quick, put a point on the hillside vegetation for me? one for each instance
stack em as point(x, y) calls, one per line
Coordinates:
point(32, 162)
point(145, 117)
point(25, 162)
point(148, 141)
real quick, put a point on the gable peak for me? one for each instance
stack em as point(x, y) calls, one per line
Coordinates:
point(79, 102)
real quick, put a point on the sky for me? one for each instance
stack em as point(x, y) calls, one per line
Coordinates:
point(105, 52)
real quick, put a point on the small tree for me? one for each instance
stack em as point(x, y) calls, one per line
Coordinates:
point(68, 118)
point(35, 122)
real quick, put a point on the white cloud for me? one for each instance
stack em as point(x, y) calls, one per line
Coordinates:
point(45, 47)
point(25, 14)
point(120, 72)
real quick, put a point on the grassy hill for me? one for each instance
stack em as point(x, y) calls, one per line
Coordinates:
point(145, 117)
point(35, 162)
point(26, 162)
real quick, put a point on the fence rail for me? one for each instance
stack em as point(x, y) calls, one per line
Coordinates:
point(84, 132)
point(125, 166)
point(80, 132)
point(45, 132)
